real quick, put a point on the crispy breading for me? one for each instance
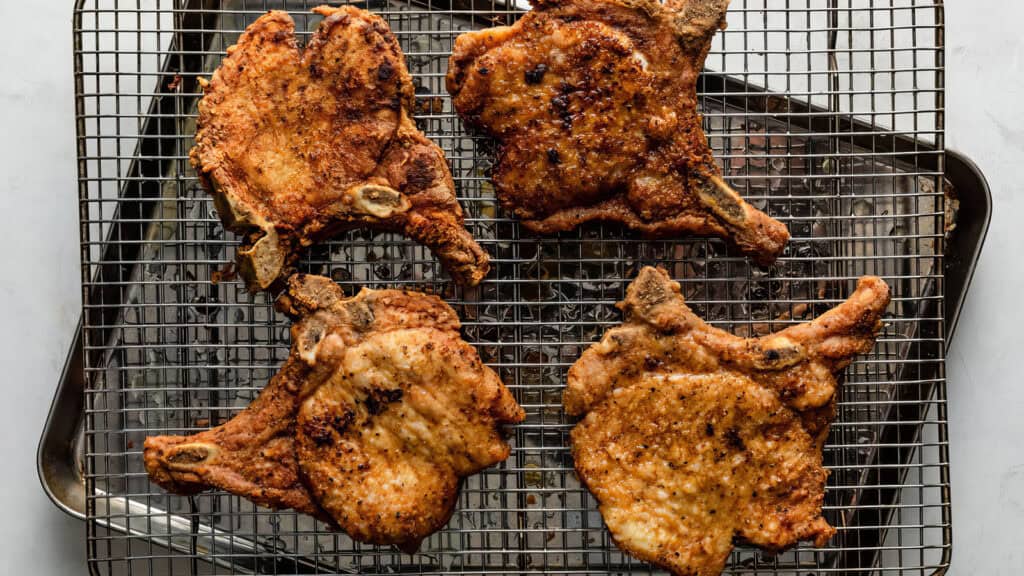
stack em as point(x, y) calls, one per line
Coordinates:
point(661, 334)
point(296, 147)
point(681, 464)
point(379, 411)
point(691, 435)
point(594, 105)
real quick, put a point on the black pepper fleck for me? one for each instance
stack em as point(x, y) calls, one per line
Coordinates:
point(535, 75)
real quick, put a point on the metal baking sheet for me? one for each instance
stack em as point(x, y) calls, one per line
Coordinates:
point(838, 134)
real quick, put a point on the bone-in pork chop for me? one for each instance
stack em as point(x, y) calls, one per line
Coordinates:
point(683, 463)
point(379, 411)
point(594, 106)
point(298, 147)
point(692, 437)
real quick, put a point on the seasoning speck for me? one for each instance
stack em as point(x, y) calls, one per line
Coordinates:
point(535, 75)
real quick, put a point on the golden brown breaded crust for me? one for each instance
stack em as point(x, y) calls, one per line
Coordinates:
point(682, 464)
point(252, 455)
point(393, 409)
point(408, 413)
point(296, 147)
point(691, 435)
point(594, 105)
point(661, 334)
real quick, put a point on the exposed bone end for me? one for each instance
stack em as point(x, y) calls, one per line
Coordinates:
point(307, 293)
point(306, 299)
point(654, 297)
point(187, 456)
point(304, 296)
point(651, 287)
point(174, 463)
point(262, 262)
point(725, 202)
point(756, 234)
point(779, 352)
point(376, 201)
point(696, 21)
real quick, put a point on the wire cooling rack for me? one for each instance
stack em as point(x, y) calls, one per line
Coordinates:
point(827, 114)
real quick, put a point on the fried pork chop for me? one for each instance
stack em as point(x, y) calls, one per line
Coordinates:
point(594, 106)
point(379, 411)
point(692, 436)
point(298, 147)
point(682, 463)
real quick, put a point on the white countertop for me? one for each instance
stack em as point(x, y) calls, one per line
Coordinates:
point(41, 295)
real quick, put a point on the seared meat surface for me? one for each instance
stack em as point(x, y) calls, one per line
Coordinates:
point(594, 106)
point(661, 334)
point(683, 463)
point(692, 436)
point(379, 411)
point(296, 147)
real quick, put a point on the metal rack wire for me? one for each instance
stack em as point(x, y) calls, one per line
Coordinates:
point(825, 113)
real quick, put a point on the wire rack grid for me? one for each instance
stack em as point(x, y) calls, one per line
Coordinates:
point(825, 113)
